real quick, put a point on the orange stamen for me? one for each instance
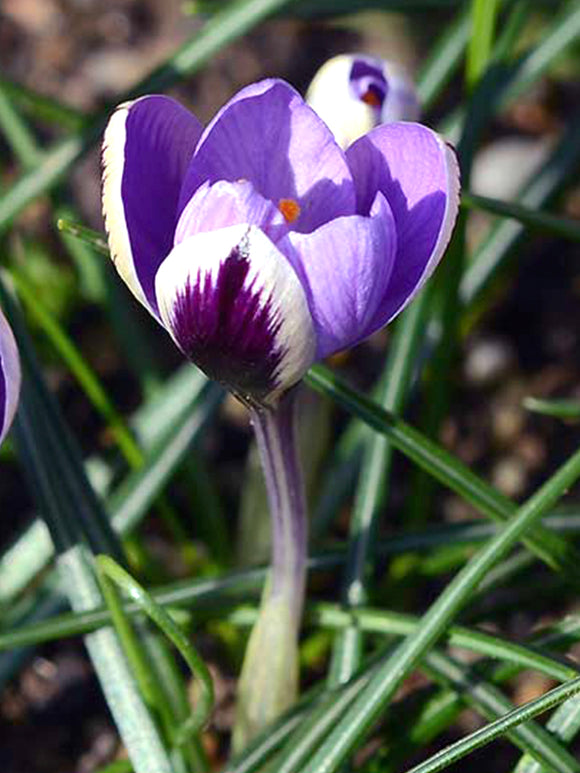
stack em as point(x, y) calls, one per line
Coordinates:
point(290, 209)
point(371, 98)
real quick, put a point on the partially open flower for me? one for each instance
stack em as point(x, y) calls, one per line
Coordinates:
point(258, 243)
point(9, 376)
point(353, 93)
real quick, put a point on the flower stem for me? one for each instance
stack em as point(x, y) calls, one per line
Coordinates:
point(269, 679)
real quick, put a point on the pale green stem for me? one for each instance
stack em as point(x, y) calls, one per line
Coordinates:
point(269, 679)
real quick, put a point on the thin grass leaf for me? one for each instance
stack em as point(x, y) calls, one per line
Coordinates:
point(564, 725)
point(503, 240)
point(353, 727)
point(398, 624)
point(542, 221)
point(16, 131)
point(166, 425)
point(489, 733)
point(443, 60)
point(92, 238)
point(240, 586)
point(492, 704)
point(166, 624)
point(42, 107)
point(483, 18)
point(553, 44)
point(559, 409)
point(80, 369)
point(372, 488)
point(442, 466)
point(133, 720)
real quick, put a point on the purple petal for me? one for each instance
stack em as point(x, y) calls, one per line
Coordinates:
point(267, 134)
point(418, 174)
point(146, 149)
point(235, 307)
point(345, 267)
point(223, 204)
point(9, 376)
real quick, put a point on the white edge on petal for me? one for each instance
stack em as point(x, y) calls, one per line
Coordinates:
point(449, 216)
point(271, 277)
point(10, 364)
point(113, 156)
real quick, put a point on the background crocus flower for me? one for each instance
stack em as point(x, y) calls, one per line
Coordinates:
point(9, 376)
point(262, 246)
point(353, 93)
point(258, 243)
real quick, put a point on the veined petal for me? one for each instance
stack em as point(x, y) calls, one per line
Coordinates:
point(419, 176)
point(9, 376)
point(146, 149)
point(353, 93)
point(234, 305)
point(268, 135)
point(223, 204)
point(345, 267)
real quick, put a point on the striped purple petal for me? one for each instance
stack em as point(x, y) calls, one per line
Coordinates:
point(9, 376)
point(146, 149)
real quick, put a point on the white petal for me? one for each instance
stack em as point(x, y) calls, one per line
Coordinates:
point(235, 306)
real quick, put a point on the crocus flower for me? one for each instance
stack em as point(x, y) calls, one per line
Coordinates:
point(258, 242)
point(262, 246)
point(353, 93)
point(9, 376)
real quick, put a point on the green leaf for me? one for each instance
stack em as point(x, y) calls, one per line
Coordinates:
point(167, 625)
point(562, 226)
point(496, 729)
point(443, 466)
point(560, 409)
point(353, 727)
point(483, 18)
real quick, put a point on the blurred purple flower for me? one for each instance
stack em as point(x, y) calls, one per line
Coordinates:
point(353, 93)
point(258, 243)
point(9, 376)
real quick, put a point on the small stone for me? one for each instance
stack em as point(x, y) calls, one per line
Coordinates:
point(509, 476)
point(488, 361)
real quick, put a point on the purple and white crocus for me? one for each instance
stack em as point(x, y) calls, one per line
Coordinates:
point(9, 377)
point(262, 246)
point(353, 93)
point(258, 243)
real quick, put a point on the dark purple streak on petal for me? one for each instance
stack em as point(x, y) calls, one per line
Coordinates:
point(228, 330)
